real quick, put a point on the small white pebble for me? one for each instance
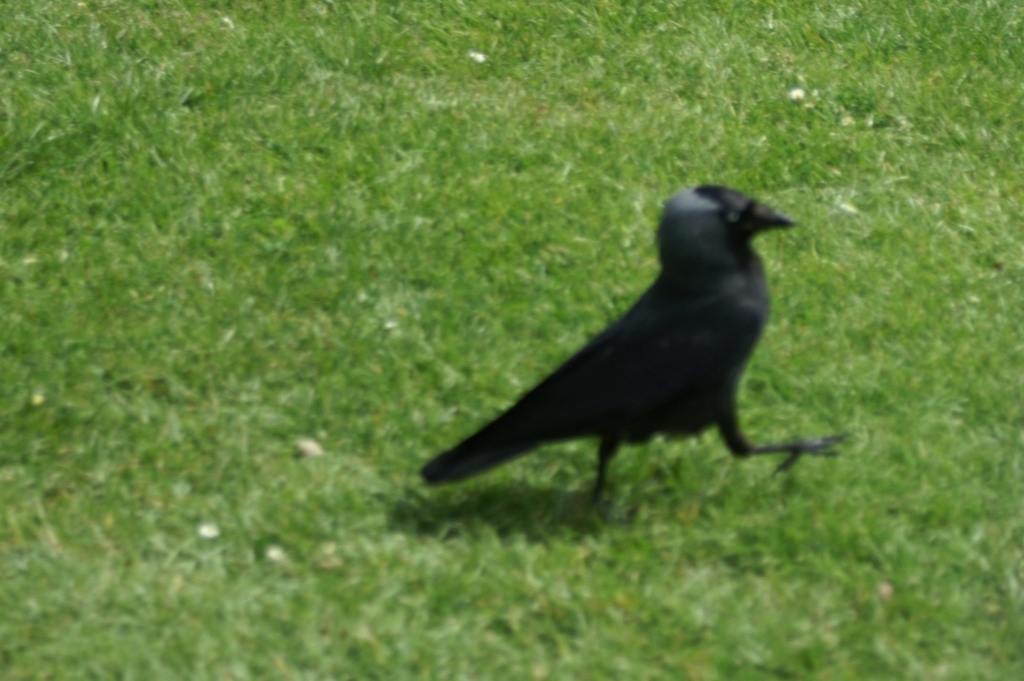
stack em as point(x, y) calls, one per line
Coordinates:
point(275, 554)
point(308, 448)
point(227, 22)
point(885, 591)
point(478, 57)
point(208, 530)
point(797, 94)
point(848, 208)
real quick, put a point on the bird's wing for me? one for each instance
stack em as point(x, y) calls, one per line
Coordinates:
point(659, 352)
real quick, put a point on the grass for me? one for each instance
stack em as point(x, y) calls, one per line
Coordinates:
point(228, 225)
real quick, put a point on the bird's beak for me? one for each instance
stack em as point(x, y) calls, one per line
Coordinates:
point(768, 218)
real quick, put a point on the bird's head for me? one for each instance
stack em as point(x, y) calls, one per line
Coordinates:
point(705, 231)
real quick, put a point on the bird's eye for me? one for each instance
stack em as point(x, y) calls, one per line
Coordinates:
point(732, 217)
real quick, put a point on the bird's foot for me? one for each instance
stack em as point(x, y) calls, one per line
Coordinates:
point(821, 446)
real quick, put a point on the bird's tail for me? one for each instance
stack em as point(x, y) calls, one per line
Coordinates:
point(469, 458)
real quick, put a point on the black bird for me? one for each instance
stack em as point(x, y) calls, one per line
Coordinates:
point(672, 364)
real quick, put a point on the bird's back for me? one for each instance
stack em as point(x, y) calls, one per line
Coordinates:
point(671, 363)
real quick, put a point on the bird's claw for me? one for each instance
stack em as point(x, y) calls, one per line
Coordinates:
point(817, 447)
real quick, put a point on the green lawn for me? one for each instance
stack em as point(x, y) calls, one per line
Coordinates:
point(228, 225)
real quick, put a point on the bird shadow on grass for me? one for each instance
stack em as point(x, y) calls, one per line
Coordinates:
point(535, 513)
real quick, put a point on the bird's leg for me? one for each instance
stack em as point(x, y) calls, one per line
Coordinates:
point(739, 445)
point(609, 445)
